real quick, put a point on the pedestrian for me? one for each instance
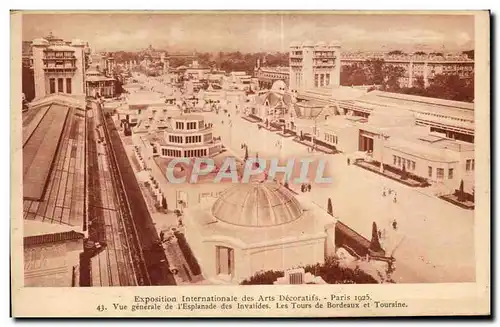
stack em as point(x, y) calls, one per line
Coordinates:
point(348, 161)
point(395, 199)
point(394, 224)
point(302, 188)
point(384, 192)
point(379, 234)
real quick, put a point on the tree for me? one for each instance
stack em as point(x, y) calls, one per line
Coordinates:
point(28, 83)
point(419, 82)
point(392, 75)
point(375, 71)
point(375, 242)
point(330, 207)
point(164, 203)
point(461, 193)
point(246, 153)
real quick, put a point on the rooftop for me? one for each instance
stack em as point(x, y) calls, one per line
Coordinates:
point(257, 205)
point(449, 108)
point(53, 164)
point(189, 117)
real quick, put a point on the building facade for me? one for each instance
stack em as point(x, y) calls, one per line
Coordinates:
point(254, 227)
point(266, 76)
point(98, 85)
point(314, 65)
point(429, 138)
point(188, 136)
point(59, 66)
point(418, 65)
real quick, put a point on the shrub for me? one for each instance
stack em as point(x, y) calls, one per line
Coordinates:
point(330, 271)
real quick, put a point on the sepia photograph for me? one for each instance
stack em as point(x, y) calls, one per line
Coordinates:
point(222, 150)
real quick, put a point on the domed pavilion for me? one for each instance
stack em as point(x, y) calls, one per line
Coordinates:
point(256, 227)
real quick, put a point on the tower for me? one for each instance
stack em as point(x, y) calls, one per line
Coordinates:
point(59, 67)
point(314, 65)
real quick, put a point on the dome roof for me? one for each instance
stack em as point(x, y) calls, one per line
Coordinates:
point(279, 86)
point(257, 205)
point(320, 44)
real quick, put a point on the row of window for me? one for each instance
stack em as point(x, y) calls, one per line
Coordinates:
point(195, 153)
point(321, 80)
point(175, 139)
point(193, 139)
point(59, 54)
point(402, 162)
point(60, 85)
point(189, 139)
point(190, 125)
point(331, 138)
point(171, 153)
point(440, 173)
point(187, 153)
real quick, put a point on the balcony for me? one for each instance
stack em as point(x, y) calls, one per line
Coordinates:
point(57, 69)
point(51, 60)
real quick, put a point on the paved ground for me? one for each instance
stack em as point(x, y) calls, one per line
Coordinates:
point(434, 241)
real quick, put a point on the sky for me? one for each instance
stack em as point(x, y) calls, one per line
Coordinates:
point(253, 31)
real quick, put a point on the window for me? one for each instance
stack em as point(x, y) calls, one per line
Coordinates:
point(469, 165)
point(413, 164)
point(327, 79)
point(394, 158)
point(440, 173)
point(399, 161)
point(316, 80)
point(52, 84)
point(60, 85)
point(450, 173)
point(430, 172)
point(224, 260)
point(68, 85)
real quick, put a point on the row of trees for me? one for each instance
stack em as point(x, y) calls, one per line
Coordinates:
point(227, 61)
point(387, 77)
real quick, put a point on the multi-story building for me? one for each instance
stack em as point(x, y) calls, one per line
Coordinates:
point(98, 85)
point(314, 65)
point(59, 66)
point(430, 138)
point(418, 64)
point(188, 136)
point(415, 66)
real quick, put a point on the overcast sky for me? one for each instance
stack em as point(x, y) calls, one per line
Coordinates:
point(252, 32)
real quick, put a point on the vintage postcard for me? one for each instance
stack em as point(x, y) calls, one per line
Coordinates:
point(250, 164)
